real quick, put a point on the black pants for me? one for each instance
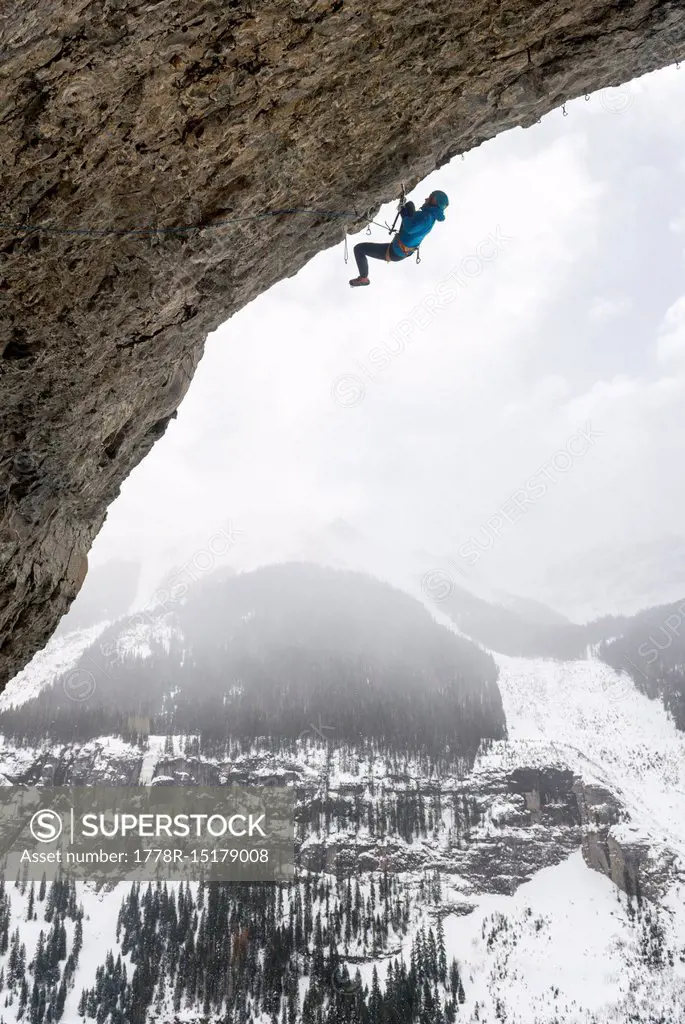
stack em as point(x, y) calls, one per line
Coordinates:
point(376, 250)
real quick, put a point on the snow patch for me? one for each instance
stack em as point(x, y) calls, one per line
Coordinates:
point(58, 656)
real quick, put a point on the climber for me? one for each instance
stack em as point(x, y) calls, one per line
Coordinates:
point(415, 226)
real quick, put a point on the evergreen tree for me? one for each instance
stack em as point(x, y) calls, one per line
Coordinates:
point(60, 1001)
point(442, 953)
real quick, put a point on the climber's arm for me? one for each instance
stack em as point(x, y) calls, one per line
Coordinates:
point(420, 219)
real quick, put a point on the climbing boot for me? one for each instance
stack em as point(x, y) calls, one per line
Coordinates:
point(356, 282)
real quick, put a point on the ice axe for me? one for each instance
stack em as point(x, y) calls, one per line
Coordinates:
point(399, 208)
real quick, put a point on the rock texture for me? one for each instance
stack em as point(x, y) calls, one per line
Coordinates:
point(119, 114)
point(636, 861)
point(518, 821)
point(483, 833)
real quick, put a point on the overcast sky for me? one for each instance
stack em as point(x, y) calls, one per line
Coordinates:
point(441, 415)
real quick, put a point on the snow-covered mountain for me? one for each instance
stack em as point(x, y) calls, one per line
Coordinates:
point(479, 839)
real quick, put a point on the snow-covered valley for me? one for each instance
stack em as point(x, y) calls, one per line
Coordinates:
point(517, 867)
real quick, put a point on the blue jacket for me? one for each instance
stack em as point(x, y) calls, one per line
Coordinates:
point(415, 226)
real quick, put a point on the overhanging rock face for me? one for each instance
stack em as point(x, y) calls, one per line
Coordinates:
point(119, 114)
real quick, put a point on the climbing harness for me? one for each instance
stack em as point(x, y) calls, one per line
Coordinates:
point(407, 249)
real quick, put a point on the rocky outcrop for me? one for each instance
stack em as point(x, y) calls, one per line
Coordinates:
point(488, 832)
point(492, 830)
point(118, 114)
point(638, 863)
point(599, 810)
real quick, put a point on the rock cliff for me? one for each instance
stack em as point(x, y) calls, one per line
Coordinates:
point(120, 114)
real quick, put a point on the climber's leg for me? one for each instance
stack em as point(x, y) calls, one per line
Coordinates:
point(376, 250)
point(362, 252)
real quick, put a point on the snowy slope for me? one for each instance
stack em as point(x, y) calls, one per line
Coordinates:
point(59, 655)
point(562, 948)
point(607, 730)
point(62, 653)
point(139, 632)
point(101, 910)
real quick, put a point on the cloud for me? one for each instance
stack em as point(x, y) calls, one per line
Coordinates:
point(603, 309)
point(671, 340)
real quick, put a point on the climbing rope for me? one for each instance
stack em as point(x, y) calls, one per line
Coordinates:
point(149, 229)
point(185, 228)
